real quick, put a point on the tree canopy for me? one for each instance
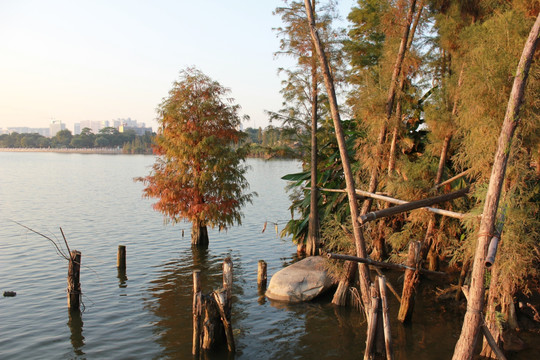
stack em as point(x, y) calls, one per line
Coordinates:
point(199, 174)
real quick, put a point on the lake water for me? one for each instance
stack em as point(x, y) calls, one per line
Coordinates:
point(146, 314)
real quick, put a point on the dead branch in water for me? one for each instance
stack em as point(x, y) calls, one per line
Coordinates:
point(58, 248)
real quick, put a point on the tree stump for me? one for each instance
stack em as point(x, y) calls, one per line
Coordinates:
point(121, 257)
point(261, 275)
point(73, 280)
point(409, 284)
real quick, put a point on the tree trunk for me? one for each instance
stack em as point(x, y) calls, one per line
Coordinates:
point(491, 321)
point(312, 244)
point(349, 180)
point(442, 160)
point(199, 234)
point(448, 137)
point(379, 245)
point(471, 324)
point(342, 292)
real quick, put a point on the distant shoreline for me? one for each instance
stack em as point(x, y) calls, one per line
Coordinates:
point(116, 151)
point(68, 150)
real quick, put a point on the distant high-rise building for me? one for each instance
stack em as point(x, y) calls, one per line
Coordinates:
point(95, 126)
point(55, 127)
point(27, 130)
point(77, 129)
point(116, 123)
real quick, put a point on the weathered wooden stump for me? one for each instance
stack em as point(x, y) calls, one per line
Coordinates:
point(197, 311)
point(73, 280)
point(261, 275)
point(212, 313)
point(121, 257)
point(409, 283)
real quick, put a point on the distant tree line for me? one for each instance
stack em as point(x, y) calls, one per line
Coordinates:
point(108, 137)
point(270, 142)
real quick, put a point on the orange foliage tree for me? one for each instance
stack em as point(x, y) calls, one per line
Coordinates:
point(199, 173)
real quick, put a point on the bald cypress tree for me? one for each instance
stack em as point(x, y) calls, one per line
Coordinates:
point(199, 174)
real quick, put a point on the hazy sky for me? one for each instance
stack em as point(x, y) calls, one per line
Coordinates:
point(101, 60)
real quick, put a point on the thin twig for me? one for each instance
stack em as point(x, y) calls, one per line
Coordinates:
point(67, 246)
point(59, 250)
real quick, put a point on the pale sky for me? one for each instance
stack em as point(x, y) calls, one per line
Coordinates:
point(100, 60)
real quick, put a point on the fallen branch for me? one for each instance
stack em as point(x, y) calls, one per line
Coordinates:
point(392, 200)
point(382, 264)
point(460, 175)
point(412, 206)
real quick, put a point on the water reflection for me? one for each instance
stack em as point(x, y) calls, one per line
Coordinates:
point(172, 296)
point(75, 325)
point(122, 278)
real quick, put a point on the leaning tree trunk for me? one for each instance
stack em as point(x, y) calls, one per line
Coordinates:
point(471, 324)
point(393, 143)
point(312, 244)
point(491, 321)
point(199, 233)
point(349, 180)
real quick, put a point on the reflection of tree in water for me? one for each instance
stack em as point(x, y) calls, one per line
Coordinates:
point(326, 331)
point(172, 296)
point(75, 325)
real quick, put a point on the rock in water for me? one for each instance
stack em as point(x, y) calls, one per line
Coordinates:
point(301, 281)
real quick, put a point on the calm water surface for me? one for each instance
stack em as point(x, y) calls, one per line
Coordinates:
point(146, 313)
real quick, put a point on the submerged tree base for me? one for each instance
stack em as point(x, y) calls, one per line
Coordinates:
point(199, 235)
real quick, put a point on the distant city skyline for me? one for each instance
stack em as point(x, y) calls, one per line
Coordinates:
point(73, 61)
point(121, 124)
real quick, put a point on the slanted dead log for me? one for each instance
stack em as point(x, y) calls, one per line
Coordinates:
point(412, 206)
point(384, 264)
point(221, 300)
point(409, 283)
point(458, 176)
point(392, 200)
point(471, 324)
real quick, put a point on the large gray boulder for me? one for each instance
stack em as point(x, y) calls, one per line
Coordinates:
point(301, 281)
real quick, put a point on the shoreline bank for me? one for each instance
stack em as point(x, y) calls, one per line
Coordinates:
point(67, 150)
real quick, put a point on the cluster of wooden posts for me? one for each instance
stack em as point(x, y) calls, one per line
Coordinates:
point(212, 312)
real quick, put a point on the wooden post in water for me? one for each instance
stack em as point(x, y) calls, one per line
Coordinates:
point(372, 321)
point(197, 311)
point(121, 257)
point(227, 285)
point(409, 283)
point(73, 280)
point(261, 275)
point(386, 318)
